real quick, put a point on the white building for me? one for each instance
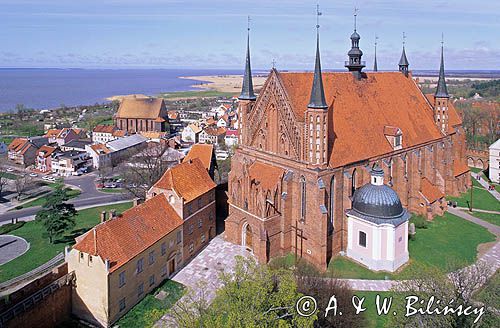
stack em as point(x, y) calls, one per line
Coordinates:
point(70, 163)
point(495, 162)
point(106, 133)
point(377, 233)
point(191, 133)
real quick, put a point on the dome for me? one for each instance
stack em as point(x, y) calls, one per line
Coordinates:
point(377, 202)
point(355, 36)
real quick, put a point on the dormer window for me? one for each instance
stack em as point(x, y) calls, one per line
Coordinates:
point(394, 136)
point(397, 141)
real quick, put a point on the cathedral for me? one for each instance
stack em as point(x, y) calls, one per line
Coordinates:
point(308, 141)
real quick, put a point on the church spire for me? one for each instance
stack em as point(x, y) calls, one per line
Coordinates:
point(247, 88)
point(317, 99)
point(442, 90)
point(375, 66)
point(355, 65)
point(403, 61)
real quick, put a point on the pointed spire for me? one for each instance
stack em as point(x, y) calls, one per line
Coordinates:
point(442, 90)
point(247, 87)
point(317, 99)
point(403, 61)
point(355, 64)
point(375, 66)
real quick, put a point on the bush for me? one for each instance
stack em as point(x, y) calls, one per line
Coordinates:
point(419, 221)
point(6, 228)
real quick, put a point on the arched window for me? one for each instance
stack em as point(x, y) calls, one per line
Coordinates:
point(353, 182)
point(332, 203)
point(302, 198)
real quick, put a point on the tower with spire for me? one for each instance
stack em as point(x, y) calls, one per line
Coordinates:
point(317, 112)
point(247, 96)
point(355, 65)
point(375, 66)
point(403, 61)
point(441, 97)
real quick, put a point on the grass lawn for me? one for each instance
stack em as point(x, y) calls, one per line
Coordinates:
point(196, 94)
point(448, 243)
point(41, 250)
point(477, 184)
point(488, 217)
point(150, 309)
point(72, 193)
point(490, 293)
point(372, 319)
point(481, 199)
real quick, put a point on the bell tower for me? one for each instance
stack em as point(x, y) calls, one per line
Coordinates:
point(441, 98)
point(247, 97)
point(403, 61)
point(355, 65)
point(317, 115)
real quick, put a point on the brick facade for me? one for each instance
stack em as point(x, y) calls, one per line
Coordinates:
point(273, 214)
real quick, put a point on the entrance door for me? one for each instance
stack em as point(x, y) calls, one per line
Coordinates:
point(171, 266)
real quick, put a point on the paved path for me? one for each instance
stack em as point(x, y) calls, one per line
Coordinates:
point(477, 210)
point(494, 229)
point(485, 184)
point(12, 247)
point(218, 256)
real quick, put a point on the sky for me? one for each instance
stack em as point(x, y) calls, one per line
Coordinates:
point(212, 33)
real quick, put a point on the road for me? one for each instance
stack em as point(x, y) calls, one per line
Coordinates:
point(89, 196)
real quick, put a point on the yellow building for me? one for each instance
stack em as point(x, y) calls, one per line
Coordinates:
point(122, 259)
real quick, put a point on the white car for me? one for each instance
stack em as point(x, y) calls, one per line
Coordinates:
point(33, 175)
point(10, 169)
point(51, 178)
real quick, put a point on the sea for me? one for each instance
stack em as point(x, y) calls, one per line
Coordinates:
point(46, 88)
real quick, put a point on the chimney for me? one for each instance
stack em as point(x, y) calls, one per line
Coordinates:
point(103, 216)
point(112, 214)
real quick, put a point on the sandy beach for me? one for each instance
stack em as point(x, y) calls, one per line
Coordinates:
point(224, 83)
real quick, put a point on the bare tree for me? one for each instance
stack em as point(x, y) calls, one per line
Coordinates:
point(22, 183)
point(142, 170)
point(3, 179)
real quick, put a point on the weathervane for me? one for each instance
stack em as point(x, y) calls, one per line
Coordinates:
point(355, 15)
point(376, 38)
point(442, 39)
point(248, 23)
point(404, 39)
point(274, 63)
point(318, 13)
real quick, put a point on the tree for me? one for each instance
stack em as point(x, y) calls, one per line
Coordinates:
point(459, 286)
point(3, 179)
point(22, 183)
point(55, 215)
point(252, 295)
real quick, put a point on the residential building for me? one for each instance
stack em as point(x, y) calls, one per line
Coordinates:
point(76, 145)
point(106, 133)
point(309, 140)
point(124, 258)
point(213, 136)
point(125, 147)
point(65, 135)
point(494, 170)
point(206, 154)
point(142, 114)
point(68, 163)
point(191, 133)
point(223, 121)
point(52, 134)
point(44, 158)
point(191, 192)
point(23, 151)
point(231, 138)
point(100, 154)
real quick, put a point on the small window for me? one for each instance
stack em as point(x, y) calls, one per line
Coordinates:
point(90, 259)
point(140, 290)
point(151, 280)
point(191, 248)
point(179, 237)
point(81, 256)
point(200, 223)
point(163, 248)
point(190, 228)
point(140, 264)
point(199, 203)
point(122, 304)
point(163, 271)
point(121, 279)
point(202, 238)
point(397, 141)
point(400, 239)
point(151, 257)
point(362, 239)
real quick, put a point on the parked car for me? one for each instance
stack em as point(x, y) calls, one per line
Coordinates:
point(33, 175)
point(45, 177)
point(10, 169)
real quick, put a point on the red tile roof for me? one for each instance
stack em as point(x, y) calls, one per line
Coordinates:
point(149, 108)
point(52, 133)
point(102, 128)
point(121, 239)
point(100, 149)
point(17, 144)
point(47, 150)
point(266, 175)
point(203, 152)
point(361, 107)
point(460, 168)
point(215, 131)
point(430, 191)
point(391, 130)
point(189, 180)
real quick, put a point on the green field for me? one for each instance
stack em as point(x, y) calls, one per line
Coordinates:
point(481, 198)
point(197, 94)
point(71, 193)
point(8, 175)
point(448, 243)
point(150, 309)
point(41, 250)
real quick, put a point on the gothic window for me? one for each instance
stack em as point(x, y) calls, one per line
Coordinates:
point(302, 198)
point(332, 203)
point(353, 182)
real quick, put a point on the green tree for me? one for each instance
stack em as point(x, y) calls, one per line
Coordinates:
point(56, 215)
point(252, 296)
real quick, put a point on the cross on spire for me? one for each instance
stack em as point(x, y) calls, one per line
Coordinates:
point(404, 39)
point(318, 13)
point(248, 23)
